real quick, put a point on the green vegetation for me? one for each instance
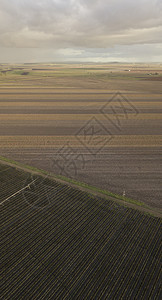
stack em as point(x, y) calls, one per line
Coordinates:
point(107, 193)
point(77, 183)
point(123, 200)
point(104, 73)
point(59, 242)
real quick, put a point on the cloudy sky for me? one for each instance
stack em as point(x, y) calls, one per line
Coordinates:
point(80, 30)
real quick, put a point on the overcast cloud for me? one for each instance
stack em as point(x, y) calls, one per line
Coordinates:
point(80, 30)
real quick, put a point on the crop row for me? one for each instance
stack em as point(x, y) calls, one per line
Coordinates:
point(77, 246)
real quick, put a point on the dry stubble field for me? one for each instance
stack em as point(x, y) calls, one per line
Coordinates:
point(100, 124)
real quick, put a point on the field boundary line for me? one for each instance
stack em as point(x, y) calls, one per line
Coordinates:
point(85, 187)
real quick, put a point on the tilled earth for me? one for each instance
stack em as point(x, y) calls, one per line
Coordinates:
point(104, 138)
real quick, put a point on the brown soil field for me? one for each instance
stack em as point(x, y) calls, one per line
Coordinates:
point(72, 117)
point(79, 141)
point(96, 123)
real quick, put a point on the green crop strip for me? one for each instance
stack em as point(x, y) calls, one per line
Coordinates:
point(77, 183)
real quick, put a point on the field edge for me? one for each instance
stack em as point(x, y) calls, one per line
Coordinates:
point(135, 204)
